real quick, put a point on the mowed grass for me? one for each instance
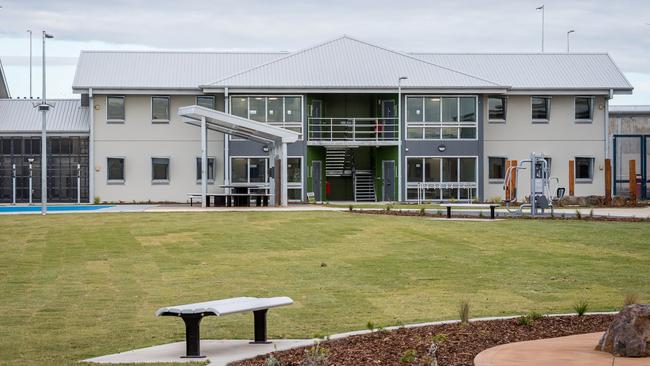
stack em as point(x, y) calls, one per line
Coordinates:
point(77, 286)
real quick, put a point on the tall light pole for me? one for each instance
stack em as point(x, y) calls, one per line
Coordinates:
point(30, 63)
point(44, 108)
point(568, 44)
point(399, 136)
point(542, 9)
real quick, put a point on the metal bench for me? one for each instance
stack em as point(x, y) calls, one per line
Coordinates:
point(491, 206)
point(192, 314)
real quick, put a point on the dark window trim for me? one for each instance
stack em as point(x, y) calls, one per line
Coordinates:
point(169, 164)
point(505, 109)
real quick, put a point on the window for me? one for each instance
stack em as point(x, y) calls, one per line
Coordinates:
point(211, 169)
point(115, 109)
point(257, 170)
point(541, 109)
point(115, 169)
point(435, 118)
point(441, 178)
point(257, 109)
point(249, 170)
point(584, 109)
point(292, 109)
point(584, 169)
point(160, 170)
point(294, 178)
point(207, 101)
point(281, 111)
point(496, 168)
point(497, 109)
point(467, 109)
point(239, 107)
point(450, 109)
point(160, 109)
point(239, 170)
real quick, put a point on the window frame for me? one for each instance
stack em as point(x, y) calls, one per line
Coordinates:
point(113, 120)
point(116, 181)
point(591, 109)
point(214, 101)
point(248, 170)
point(548, 112)
point(592, 169)
point(283, 123)
point(505, 109)
point(214, 169)
point(169, 165)
point(297, 185)
point(169, 103)
point(423, 125)
point(489, 169)
point(475, 185)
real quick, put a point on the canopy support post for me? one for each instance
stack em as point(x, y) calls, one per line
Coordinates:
point(204, 162)
point(283, 176)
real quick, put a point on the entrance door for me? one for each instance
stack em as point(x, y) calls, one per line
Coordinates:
point(389, 125)
point(316, 184)
point(388, 177)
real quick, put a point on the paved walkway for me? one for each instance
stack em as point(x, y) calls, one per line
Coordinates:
point(577, 350)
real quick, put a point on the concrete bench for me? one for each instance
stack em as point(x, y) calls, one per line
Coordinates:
point(491, 206)
point(192, 314)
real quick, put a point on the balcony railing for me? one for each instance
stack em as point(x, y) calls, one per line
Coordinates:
point(353, 129)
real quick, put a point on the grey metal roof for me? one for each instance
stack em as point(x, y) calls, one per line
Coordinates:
point(4, 86)
point(346, 62)
point(160, 69)
point(629, 109)
point(538, 70)
point(21, 116)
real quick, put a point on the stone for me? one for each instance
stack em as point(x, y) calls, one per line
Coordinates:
point(629, 333)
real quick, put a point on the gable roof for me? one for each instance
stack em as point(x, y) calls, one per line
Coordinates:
point(346, 62)
point(4, 86)
point(21, 116)
point(538, 70)
point(160, 69)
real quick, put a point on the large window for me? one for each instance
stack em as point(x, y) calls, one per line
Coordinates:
point(281, 111)
point(207, 101)
point(541, 109)
point(497, 109)
point(249, 170)
point(496, 168)
point(584, 109)
point(436, 117)
point(584, 169)
point(294, 178)
point(160, 170)
point(211, 169)
point(115, 109)
point(160, 109)
point(441, 178)
point(115, 169)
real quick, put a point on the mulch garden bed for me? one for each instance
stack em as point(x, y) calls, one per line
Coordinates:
point(457, 344)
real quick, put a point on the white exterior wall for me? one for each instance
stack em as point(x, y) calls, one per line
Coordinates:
point(137, 140)
point(561, 138)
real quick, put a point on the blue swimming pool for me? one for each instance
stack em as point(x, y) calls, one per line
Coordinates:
point(36, 208)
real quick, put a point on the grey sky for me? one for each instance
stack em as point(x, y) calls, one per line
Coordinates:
point(618, 27)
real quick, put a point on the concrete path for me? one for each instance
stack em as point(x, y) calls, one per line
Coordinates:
point(219, 353)
point(577, 350)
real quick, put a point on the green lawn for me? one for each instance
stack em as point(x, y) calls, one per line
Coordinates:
point(77, 286)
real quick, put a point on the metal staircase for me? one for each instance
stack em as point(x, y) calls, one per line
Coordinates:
point(364, 186)
point(338, 162)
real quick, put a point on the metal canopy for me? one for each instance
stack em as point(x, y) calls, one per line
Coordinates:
point(237, 126)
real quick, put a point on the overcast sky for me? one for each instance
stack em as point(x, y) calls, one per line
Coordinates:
point(620, 27)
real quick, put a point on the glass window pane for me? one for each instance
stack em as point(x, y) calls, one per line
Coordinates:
point(115, 109)
point(584, 168)
point(274, 111)
point(468, 132)
point(257, 110)
point(206, 101)
point(211, 169)
point(257, 170)
point(292, 109)
point(449, 109)
point(432, 133)
point(497, 168)
point(294, 169)
point(294, 194)
point(115, 169)
point(239, 106)
point(432, 109)
point(412, 194)
point(160, 108)
point(414, 111)
point(160, 168)
point(583, 108)
point(497, 108)
point(450, 133)
point(450, 170)
point(467, 109)
point(414, 132)
point(239, 170)
point(432, 169)
point(467, 169)
point(414, 170)
point(540, 108)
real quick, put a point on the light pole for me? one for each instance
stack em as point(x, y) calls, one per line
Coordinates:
point(399, 136)
point(568, 47)
point(542, 9)
point(30, 63)
point(44, 107)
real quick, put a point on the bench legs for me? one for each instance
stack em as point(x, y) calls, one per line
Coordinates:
point(449, 212)
point(492, 212)
point(259, 317)
point(192, 336)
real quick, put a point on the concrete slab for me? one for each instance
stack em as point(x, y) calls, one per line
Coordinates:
point(218, 352)
point(577, 350)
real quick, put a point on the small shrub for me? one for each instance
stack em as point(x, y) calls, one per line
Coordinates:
point(315, 356)
point(591, 213)
point(439, 338)
point(408, 356)
point(370, 326)
point(578, 214)
point(480, 214)
point(494, 199)
point(525, 320)
point(272, 361)
point(631, 298)
point(423, 211)
point(535, 315)
point(96, 200)
point(463, 311)
point(388, 207)
point(439, 212)
point(351, 208)
point(581, 307)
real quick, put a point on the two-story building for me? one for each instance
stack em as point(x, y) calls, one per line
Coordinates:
point(374, 124)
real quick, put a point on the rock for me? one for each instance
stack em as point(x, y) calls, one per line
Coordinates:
point(629, 333)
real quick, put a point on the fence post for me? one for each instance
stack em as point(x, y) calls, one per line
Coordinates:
point(632, 174)
point(572, 178)
point(608, 182)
